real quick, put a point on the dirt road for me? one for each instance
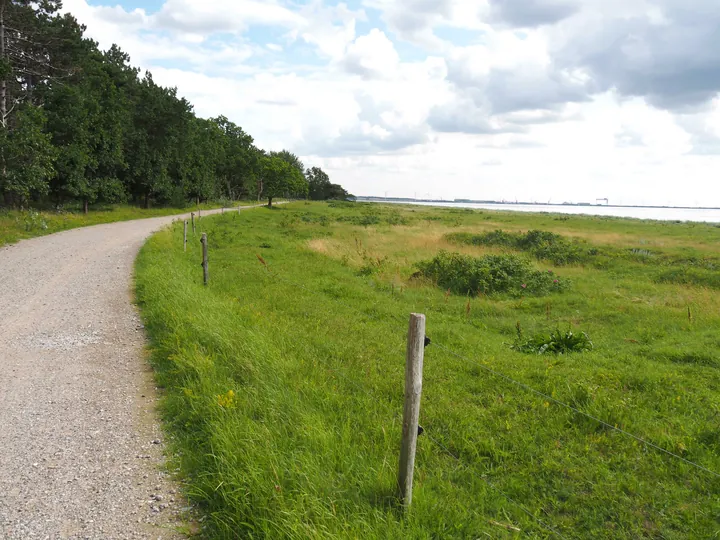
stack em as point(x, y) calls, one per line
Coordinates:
point(80, 446)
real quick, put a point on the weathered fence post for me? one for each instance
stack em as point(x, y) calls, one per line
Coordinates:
point(185, 235)
point(411, 409)
point(192, 217)
point(203, 240)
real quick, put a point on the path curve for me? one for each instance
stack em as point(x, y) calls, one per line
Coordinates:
point(80, 446)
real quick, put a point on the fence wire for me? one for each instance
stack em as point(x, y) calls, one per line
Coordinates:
point(575, 410)
point(508, 379)
point(492, 486)
point(498, 374)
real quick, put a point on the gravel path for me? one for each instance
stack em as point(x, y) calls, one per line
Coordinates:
point(80, 446)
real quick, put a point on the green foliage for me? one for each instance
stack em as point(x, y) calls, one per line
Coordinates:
point(27, 156)
point(365, 219)
point(291, 159)
point(556, 342)
point(33, 221)
point(280, 179)
point(321, 189)
point(491, 274)
point(84, 126)
point(542, 245)
point(686, 275)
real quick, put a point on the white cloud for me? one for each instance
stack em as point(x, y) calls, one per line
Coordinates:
point(223, 15)
point(372, 55)
point(498, 113)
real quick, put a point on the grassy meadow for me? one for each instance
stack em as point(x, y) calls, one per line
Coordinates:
point(283, 379)
point(18, 225)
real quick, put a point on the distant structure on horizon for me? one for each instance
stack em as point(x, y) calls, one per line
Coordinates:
point(371, 198)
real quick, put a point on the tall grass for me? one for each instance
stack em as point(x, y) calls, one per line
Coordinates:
point(283, 387)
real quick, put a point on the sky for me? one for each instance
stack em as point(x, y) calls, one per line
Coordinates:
point(530, 100)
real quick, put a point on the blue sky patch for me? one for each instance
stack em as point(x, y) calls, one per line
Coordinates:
point(150, 6)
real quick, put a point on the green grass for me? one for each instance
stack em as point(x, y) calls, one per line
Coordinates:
point(283, 389)
point(18, 225)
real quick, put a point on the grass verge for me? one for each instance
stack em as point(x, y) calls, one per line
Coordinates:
point(283, 387)
point(18, 225)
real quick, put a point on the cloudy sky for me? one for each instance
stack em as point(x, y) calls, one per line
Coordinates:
point(545, 100)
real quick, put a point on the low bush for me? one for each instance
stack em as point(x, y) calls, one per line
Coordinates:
point(491, 274)
point(557, 342)
point(342, 204)
point(33, 220)
point(542, 245)
point(690, 276)
point(396, 218)
point(364, 220)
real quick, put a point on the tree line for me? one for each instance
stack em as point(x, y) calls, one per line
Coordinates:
point(78, 124)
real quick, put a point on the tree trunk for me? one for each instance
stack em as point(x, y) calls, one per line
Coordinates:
point(85, 206)
point(3, 96)
point(147, 201)
point(3, 82)
point(269, 202)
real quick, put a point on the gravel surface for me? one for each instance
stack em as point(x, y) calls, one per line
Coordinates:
point(81, 451)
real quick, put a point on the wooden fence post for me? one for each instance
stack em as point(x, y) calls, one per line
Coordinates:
point(411, 409)
point(192, 216)
point(185, 235)
point(203, 240)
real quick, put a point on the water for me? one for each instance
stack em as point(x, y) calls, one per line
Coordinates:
point(708, 215)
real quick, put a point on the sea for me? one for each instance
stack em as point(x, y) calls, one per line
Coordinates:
point(707, 215)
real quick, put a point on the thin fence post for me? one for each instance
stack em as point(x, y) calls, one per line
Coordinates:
point(411, 408)
point(203, 240)
point(192, 217)
point(185, 235)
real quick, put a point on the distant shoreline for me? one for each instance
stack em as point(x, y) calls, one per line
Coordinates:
point(521, 203)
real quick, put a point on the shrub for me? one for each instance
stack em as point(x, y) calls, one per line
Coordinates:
point(365, 219)
point(467, 275)
point(542, 245)
point(396, 218)
point(32, 220)
point(342, 204)
point(690, 276)
point(556, 342)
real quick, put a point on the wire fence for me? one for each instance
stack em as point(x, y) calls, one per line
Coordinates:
point(504, 377)
point(272, 274)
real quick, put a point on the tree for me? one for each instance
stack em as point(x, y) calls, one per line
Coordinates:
point(202, 150)
point(36, 47)
point(320, 187)
point(81, 124)
point(291, 159)
point(27, 157)
point(280, 179)
point(158, 126)
point(27, 60)
point(319, 182)
point(238, 164)
point(88, 116)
